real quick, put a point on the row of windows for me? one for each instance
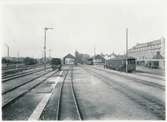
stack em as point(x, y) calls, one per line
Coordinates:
point(147, 47)
point(142, 49)
point(143, 53)
point(131, 61)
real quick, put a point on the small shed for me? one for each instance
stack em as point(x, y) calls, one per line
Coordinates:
point(98, 59)
point(69, 59)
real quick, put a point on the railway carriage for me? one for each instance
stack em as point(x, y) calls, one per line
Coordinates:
point(56, 63)
point(119, 64)
point(90, 61)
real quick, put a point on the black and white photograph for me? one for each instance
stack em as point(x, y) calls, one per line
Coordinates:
point(83, 60)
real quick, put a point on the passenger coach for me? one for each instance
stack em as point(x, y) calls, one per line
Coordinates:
point(119, 64)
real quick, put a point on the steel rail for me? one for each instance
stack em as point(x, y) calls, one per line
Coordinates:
point(58, 113)
point(28, 81)
point(15, 76)
point(29, 89)
point(18, 69)
point(60, 97)
point(75, 98)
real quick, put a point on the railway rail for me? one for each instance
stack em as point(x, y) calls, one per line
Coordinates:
point(8, 71)
point(19, 66)
point(60, 113)
point(21, 74)
point(148, 102)
point(16, 84)
point(15, 93)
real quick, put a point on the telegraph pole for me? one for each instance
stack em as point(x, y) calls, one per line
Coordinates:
point(94, 54)
point(7, 46)
point(49, 53)
point(126, 49)
point(7, 50)
point(17, 60)
point(45, 30)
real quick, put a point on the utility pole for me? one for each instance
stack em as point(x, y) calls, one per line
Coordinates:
point(45, 30)
point(7, 46)
point(49, 53)
point(17, 64)
point(18, 55)
point(94, 54)
point(126, 49)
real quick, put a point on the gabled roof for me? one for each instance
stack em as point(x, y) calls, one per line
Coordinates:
point(98, 57)
point(69, 56)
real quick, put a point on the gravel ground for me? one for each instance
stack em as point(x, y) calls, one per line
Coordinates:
point(49, 112)
point(135, 75)
point(99, 100)
point(16, 82)
point(20, 110)
point(68, 109)
point(101, 96)
point(137, 83)
point(6, 98)
point(67, 106)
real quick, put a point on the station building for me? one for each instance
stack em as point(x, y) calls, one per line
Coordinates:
point(149, 51)
point(69, 59)
point(109, 56)
point(98, 59)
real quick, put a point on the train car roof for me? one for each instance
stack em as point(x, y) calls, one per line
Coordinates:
point(122, 58)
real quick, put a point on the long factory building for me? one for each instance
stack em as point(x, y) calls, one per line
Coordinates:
point(153, 50)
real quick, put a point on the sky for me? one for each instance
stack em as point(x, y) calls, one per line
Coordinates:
point(80, 26)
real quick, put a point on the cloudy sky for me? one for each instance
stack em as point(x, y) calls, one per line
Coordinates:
point(80, 26)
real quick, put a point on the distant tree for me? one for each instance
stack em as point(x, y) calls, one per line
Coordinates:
point(29, 61)
point(6, 61)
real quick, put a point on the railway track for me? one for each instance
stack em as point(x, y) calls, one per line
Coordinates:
point(147, 102)
point(62, 101)
point(140, 81)
point(16, 84)
point(11, 95)
point(21, 74)
point(13, 70)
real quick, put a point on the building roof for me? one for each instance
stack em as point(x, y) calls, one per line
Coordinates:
point(146, 44)
point(69, 56)
point(158, 56)
point(99, 57)
point(122, 57)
